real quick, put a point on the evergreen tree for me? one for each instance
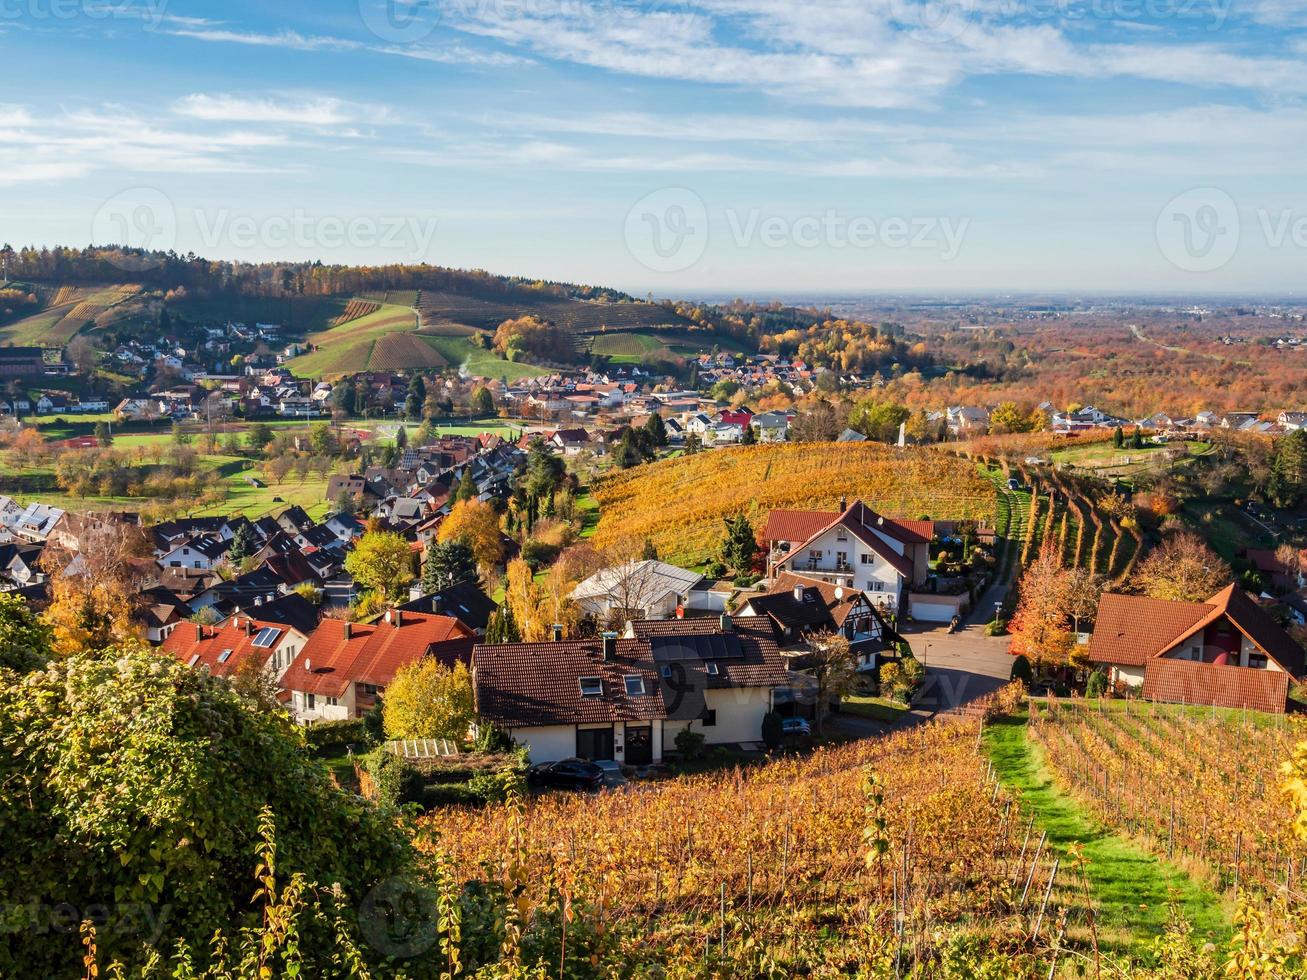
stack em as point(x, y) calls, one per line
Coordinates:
point(1288, 483)
point(243, 544)
point(657, 429)
point(102, 434)
point(1118, 437)
point(502, 628)
point(740, 546)
point(750, 436)
point(649, 553)
point(483, 403)
point(413, 406)
point(401, 437)
point(467, 487)
point(448, 564)
point(418, 389)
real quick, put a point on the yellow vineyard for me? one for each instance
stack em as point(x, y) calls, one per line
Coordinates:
point(679, 504)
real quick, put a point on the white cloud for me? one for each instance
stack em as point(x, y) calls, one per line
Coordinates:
point(315, 111)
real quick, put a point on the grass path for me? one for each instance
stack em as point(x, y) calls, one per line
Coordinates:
point(1131, 886)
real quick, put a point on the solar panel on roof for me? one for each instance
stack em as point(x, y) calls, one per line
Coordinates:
point(711, 646)
point(266, 637)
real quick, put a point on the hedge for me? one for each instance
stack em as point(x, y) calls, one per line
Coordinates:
point(331, 737)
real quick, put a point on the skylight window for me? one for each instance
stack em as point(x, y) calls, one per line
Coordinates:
point(195, 659)
point(712, 669)
point(224, 656)
point(634, 685)
point(591, 687)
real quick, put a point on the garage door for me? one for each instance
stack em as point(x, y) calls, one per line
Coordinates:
point(933, 612)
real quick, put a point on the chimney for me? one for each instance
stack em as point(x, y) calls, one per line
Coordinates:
point(798, 593)
point(399, 618)
point(558, 632)
point(610, 646)
point(726, 624)
point(844, 504)
point(249, 627)
point(349, 631)
point(199, 632)
point(437, 604)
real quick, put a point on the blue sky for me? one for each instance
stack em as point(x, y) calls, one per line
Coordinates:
point(757, 146)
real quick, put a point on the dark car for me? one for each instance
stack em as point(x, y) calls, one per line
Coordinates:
point(566, 774)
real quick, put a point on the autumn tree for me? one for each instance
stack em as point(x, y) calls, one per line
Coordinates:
point(878, 419)
point(833, 666)
point(1009, 417)
point(381, 562)
point(531, 336)
point(1039, 625)
point(95, 589)
point(427, 699)
point(525, 601)
point(475, 523)
point(1182, 568)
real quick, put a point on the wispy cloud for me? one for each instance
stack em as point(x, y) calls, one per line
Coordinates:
point(314, 111)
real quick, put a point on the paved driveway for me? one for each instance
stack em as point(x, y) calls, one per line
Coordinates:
point(960, 667)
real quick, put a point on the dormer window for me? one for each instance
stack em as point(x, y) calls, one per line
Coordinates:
point(591, 687)
point(634, 685)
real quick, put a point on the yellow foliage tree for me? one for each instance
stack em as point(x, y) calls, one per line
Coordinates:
point(428, 700)
point(475, 523)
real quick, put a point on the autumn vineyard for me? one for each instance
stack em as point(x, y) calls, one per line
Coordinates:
point(665, 502)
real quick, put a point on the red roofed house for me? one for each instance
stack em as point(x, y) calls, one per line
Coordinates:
point(344, 666)
point(224, 650)
point(1225, 652)
point(853, 547)
point(627, 698)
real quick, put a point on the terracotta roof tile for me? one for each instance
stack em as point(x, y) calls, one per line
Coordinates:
point(1187, 682)
point(1131, 629)
point(235, 639)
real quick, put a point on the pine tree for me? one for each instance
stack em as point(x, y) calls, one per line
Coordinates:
point(502, 628)
point(448, 564)
point(740, 546)
point(657, 429)
point(1118, 437)
point(467, 488)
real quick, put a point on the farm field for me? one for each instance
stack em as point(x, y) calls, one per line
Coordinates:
point(1104, 460)
point(625, 347)
point(70, 310)
point(479, 362)
point(577, 315)
point(666, 501)
point(349, 347)
point(873, 852)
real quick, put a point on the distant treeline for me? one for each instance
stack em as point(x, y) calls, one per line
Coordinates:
point(170, 270)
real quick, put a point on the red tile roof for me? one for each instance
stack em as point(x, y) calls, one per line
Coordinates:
point(236, 639)
point(1136, 629)
point(1188, 682)
point(1131, 629)
point(861, 521)
point(372, 653)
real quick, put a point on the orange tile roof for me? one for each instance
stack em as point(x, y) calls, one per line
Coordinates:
point(209, 643)
point(1131, 629)
point(1188, 682)
point(371, 653)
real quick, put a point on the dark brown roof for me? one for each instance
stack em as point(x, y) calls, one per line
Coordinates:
point(1188, 682)
point(532, 684)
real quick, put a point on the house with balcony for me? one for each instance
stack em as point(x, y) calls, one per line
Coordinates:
point(854, 548)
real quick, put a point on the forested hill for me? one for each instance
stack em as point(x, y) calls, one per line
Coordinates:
point(170, 270)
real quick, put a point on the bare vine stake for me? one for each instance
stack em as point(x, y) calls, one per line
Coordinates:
point(722, 944)
point(1034, 863)
point(1048, 892)
point(1025, 844)
point(1057, 942)
point(1238, 858)
point(750, 888)
point(1170, 835)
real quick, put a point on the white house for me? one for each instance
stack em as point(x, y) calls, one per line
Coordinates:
point(645, 589)
point(627, 698)
point(855, 548)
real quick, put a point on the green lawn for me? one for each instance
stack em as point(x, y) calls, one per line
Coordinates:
point(479, 362)
point(1130, 886)
point(877, 709)
point(587, 509)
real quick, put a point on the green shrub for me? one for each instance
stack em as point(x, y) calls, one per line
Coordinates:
point(332, 737)
point(996, 627)
point(1097, 684)
point(492, 738)
point(395, 780)
point(1021, 670)
point(449, 794)
point(689, 743)
point(913, 673)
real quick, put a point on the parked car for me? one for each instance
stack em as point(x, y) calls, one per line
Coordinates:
point(613, 776)
point(795, 726)
point(566, 774)
point(1014, 484)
